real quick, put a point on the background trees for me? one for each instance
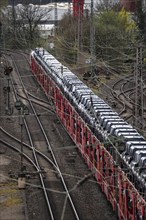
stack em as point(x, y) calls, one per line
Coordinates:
point(66, 38)
point(21, 25)
point(115, 35)
point(141, 19)
point(3, 3)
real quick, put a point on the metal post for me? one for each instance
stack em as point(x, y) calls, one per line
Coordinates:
point(92, 42)
point(23, 110)
point(80, 33)
point(1, 39)
point(21, 175)
point(21, 124)
point(56, 13)
point(80, 26)
point(139, 101)
point(7, 72)
point(69, 7)
point(13, 13)
point(8, 90)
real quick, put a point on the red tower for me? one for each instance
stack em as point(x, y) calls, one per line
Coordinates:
point(78, 8)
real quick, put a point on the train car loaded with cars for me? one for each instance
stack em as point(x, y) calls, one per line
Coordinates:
point(113, 150)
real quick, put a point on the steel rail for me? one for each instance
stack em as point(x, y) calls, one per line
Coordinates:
point(48, 144)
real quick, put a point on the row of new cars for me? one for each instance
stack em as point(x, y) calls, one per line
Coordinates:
point(104, 122)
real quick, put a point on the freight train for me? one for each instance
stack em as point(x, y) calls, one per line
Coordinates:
point(112, 148)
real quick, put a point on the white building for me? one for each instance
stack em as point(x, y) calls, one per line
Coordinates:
point(46, 30)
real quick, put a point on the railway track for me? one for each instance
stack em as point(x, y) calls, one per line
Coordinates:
point(36, 137)
point(37, 124)
point(123, 97)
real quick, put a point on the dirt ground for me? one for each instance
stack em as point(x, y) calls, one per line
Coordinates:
point(12, 199)
point(12, 205)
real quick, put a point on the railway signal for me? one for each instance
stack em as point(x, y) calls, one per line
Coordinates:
point(23, 110)
point(7, 71)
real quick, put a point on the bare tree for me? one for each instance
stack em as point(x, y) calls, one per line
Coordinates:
point(106, 5)
point(141, 19)
point(23, 21)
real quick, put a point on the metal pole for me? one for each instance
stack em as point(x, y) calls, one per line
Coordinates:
point(21, 124)
point(69, 7)
point(56, 13)
point(8, 90)
point(139, 101)
point(23, 110)
point(1, 39)
point(13, 13)
point(80, 33)
point(92, 42)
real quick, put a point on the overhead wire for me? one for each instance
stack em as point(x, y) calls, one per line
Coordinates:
point(102, 82)
point(105, 84)
point(116, 149)
point(80, 179)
